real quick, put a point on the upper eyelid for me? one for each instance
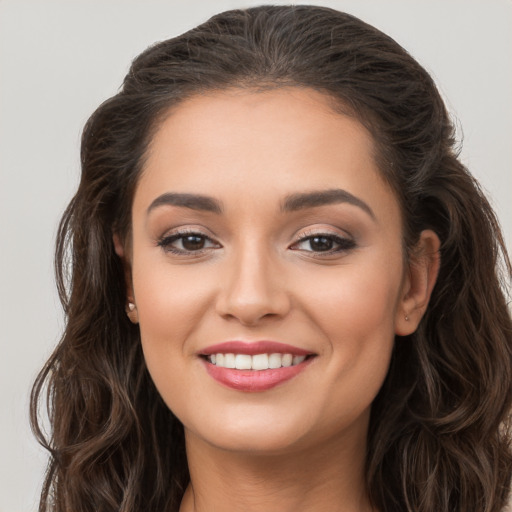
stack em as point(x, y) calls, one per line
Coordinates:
point(325, 232)
point(180, 231)
point(307, 234)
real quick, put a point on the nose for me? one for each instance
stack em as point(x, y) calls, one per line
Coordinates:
point(252, 288)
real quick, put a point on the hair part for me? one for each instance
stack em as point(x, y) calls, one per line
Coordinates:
point(438, 437)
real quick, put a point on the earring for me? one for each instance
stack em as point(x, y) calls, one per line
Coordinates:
point(131, 312)
point(406, 318)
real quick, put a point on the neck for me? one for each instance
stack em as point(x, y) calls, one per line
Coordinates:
point(329, 478)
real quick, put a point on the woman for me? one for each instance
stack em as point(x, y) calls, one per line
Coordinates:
point(284, 292)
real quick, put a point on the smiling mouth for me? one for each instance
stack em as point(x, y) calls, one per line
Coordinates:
point(256, 362)
point(254, 367)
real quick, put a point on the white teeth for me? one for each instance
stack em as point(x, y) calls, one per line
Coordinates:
point(260, 362)
point(274, 361)
point(287, 360)
point(243, 362)
point(298, 359)
point(256, 362)
point(229, 361)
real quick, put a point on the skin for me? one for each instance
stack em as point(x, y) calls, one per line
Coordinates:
point(301, 445)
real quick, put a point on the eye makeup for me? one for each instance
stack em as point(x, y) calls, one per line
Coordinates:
point(322, 243)
point(192, 242)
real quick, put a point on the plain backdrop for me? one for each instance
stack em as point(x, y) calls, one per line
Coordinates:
point(60, 59)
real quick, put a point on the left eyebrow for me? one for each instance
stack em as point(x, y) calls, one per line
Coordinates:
point(315, 199)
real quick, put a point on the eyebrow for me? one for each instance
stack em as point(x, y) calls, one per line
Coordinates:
point(192, 201)
point(292, 203)
point(315, 199)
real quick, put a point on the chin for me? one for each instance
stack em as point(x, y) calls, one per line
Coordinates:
point(255, 432)
point(250, 441)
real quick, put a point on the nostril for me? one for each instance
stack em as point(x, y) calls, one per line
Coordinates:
point(251, 311)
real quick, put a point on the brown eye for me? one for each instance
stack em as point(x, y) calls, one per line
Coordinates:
point(193, 242)
point(187, 243)
point(321, 243)
point(324, 243)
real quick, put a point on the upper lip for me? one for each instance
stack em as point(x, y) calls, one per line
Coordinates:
point(253, 348)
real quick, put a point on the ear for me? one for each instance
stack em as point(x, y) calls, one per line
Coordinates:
point(420, 278)
point(131, 307)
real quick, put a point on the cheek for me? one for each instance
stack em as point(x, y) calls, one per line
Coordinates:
point(356, 301)
point(172, 303)
point(170, 300)
point(356, 314)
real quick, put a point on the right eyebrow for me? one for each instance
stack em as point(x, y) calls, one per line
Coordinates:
point(192, 201)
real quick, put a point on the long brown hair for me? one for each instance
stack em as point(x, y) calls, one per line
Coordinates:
point(438, 438)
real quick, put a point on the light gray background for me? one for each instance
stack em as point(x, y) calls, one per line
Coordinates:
point(60, 59)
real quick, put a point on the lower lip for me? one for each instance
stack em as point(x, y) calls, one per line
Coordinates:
point(255, 380)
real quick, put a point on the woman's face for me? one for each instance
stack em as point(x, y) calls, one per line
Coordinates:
point(261, 226)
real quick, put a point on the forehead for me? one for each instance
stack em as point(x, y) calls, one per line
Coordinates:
point(272, 119)
point(246, 143)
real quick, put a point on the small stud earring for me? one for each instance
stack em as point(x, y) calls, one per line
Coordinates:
point(131, 312)
point(406, 318)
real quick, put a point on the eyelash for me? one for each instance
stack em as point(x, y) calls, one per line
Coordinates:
point(166, 243)
point(345, 244)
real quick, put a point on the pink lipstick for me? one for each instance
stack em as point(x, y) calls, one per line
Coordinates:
point(255, 366)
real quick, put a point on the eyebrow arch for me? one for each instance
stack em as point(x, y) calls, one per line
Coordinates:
point(314, 199)
point(192, 201)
